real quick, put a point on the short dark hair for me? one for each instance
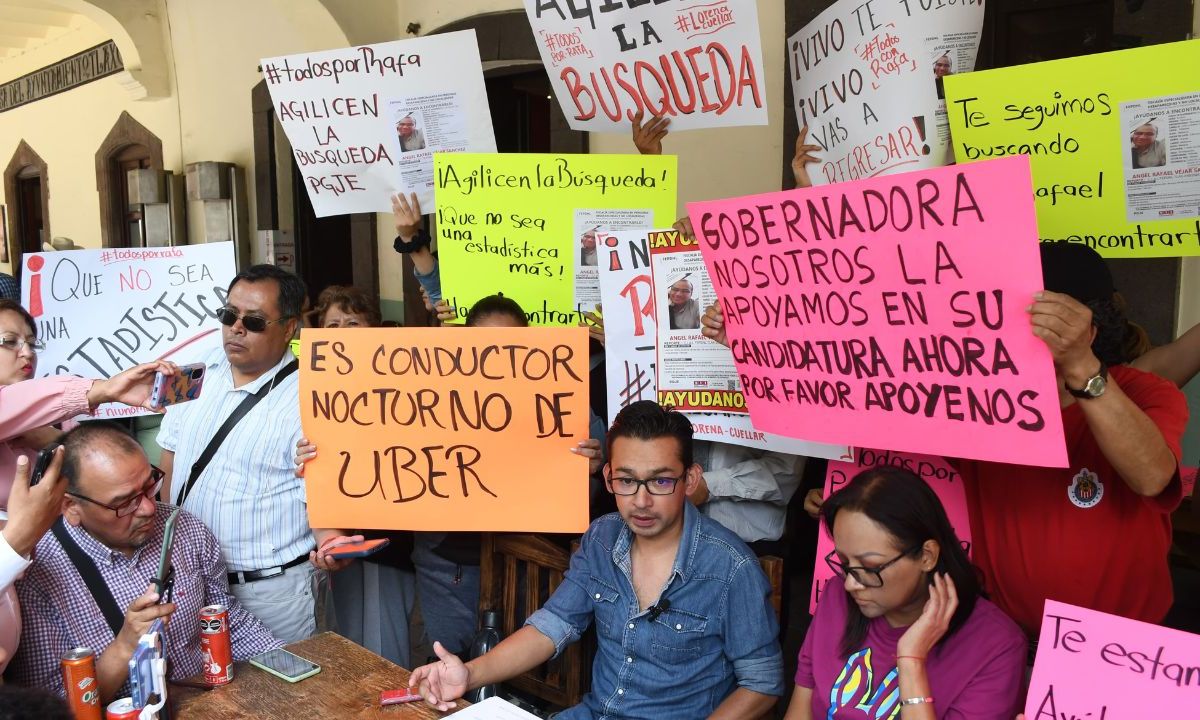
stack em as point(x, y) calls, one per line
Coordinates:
point(496, 305)
point(26, 703)
point(350, 299)
point(647, 420)
point(908, 509)
point(292, 291)
point(11, 306)
point(89, 436)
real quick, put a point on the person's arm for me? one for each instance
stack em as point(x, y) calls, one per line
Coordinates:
point(1178, 361)
point(912, 652)
point(166, 463)
point(765, 476)
point(800, 708)
point(801, 159)
point(1129, 439)
point(112, 666)
point(35, 403)
point(751, 643)
point(743, 703)
point(406, 212)
point(448, 679)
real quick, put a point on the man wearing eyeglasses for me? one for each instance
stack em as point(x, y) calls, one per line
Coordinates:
point(243, 485)
point(684, 623)
point(110, 514)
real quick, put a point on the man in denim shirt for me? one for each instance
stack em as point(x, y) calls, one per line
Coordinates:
point(682, 608)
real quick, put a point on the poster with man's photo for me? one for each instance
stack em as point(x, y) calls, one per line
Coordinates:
point(1161, 157)
point(592, 228)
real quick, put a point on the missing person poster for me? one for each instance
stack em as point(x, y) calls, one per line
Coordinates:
point(697, 62)
point(591, 228)
point(1112, 140)
point(364, 122)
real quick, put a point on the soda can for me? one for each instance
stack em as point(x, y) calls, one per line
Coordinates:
point(215, 651)
point(122, 709)
point(80, 683)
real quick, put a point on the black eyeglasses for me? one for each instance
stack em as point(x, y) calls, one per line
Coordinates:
point(865, 576)
point(654, 486)
point(252, 323)
point(129, 506)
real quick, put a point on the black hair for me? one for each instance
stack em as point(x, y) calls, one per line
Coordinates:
point(908, 509)
point(89, 436)
point(11, 306)
point(26, 703)
point(292, 292)
point(1113, 331)
point(496, 305)
point(647, 420)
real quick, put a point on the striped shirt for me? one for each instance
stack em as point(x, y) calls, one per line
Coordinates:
point(59, 613)
point(249, 494)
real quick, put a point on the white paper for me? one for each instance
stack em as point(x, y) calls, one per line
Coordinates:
point(698, 62)
point(1165, 183)
point(493, 708)
point(591, 229)
point(343, 111)
point(104, 311)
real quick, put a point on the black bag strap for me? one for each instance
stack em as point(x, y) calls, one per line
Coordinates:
point(234, 418)
point(91, 578)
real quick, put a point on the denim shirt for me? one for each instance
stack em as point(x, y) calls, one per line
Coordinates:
point(718, 632)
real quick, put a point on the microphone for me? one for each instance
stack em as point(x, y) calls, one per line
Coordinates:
point(659, 608)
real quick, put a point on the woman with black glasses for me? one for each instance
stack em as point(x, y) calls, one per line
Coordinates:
point(909, 636)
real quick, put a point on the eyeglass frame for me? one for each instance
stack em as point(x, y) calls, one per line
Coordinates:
point(36, 344)
point(157, 478)
point(224, 312)
point(842, 570)
point(644, 484)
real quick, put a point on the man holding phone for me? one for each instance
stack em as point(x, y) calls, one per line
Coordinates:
point(113, 530)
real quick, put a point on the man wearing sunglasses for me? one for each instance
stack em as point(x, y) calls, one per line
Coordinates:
point(242, 483)
point(684, 623)
point(110, 515)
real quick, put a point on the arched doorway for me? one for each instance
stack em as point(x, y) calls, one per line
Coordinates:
point(128, 146)
point(27, 192)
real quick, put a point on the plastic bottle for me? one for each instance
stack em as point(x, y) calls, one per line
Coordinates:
point(486, 638)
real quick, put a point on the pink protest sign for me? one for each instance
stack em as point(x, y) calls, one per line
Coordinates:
point(935, 471)
point(1094, 665)
point(891, 309)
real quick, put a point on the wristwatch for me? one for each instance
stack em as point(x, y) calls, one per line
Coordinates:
point(1095, 385)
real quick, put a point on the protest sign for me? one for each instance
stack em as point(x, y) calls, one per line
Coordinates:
point(436, 429)
point(630, 329)
point(104, 311)
point(862, 85)
point(589, 225)
point(1095, 665)
point(935, 471)
point(506, 223)
point(891, 307)
point(1078, 120)
point(364, 122)
point(697, 62)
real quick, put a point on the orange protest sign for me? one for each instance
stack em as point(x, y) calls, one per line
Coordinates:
point(446, 428)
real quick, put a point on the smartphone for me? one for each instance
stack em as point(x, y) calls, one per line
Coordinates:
point(285, 665)
point(43, 463)
point(141, 668)
point(164, 556)
point(358, 550)
point(175, 389)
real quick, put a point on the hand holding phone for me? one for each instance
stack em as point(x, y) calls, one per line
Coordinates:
point(161, 580)
point(357, 549)
point(42, 464)
point(32, 510)
point(180, 388)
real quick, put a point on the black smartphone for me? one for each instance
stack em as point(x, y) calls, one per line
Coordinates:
point(43, 463)
point(164, 558)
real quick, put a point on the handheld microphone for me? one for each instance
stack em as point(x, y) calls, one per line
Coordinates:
point(659, 608)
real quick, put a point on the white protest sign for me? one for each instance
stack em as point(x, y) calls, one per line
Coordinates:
point(104, 311)
point(630, 332)
point(864, 89)
point(364, 122)
point(698, 63)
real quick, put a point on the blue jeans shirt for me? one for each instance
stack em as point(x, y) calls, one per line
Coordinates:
point(718, 633)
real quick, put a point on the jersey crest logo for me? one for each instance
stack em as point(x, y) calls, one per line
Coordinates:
point(1086, 489)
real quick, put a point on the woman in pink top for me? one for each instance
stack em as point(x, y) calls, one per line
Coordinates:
point(909, 635)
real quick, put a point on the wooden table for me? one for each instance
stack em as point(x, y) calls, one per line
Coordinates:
point(348, 686)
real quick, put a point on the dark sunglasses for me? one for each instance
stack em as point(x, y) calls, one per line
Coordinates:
point(252, 323)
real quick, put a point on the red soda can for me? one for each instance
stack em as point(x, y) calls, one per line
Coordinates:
point(215, 651)
point(122, 709)
point(80, 683)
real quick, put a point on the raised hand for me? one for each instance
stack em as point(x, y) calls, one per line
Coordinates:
point(712, 324)
point(648, 138)
point(922, 635)
point(802, 158)
point(441, 682)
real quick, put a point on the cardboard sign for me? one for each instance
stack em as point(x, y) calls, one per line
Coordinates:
point(695, 61)
point(935, 471)
point(435, 428)
point(1067, 115)
point(1103, 667)
point(364, 122)
point(104, 311)
point(506, 223)
point(891, 307)
point(630, 328)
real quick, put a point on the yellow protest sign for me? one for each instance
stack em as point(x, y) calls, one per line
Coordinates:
point(1111, 142)
point(520, 223)
point(446, 428)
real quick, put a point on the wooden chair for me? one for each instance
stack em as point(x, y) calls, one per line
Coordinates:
point(518, 573)
point(773, 567)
